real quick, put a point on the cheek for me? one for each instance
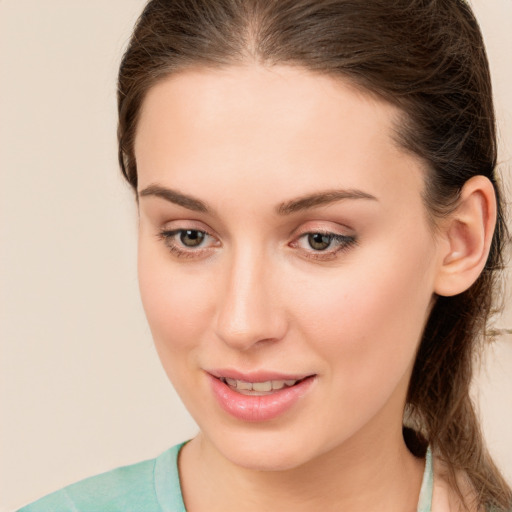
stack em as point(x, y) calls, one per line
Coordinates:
point(367, 318)
point(175, 301)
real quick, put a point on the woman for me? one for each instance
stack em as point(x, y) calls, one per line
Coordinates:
point(320, 231)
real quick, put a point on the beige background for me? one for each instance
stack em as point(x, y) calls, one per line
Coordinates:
point(81, 389)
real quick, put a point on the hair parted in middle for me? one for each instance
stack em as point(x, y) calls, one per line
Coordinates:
point(426, 57)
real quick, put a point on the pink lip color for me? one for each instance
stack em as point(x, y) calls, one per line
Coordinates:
point(258, 408)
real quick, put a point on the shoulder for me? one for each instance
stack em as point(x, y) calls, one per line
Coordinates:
point(128, 488)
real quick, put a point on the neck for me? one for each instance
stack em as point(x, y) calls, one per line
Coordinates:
point(363, 474)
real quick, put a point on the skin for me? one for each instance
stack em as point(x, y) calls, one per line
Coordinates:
point(255, 295)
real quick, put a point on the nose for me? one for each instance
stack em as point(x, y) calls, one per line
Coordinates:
point(250, 312)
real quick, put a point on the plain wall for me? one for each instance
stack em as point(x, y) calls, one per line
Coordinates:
point(81, 388)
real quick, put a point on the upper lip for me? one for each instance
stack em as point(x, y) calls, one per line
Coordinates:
point(255, 376)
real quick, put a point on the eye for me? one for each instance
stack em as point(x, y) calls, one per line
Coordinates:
point(319, 241)
point(323, 245)
point(187, 243)
point(192, 237)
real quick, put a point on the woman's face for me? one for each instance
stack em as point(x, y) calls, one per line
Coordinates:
point(286, 262)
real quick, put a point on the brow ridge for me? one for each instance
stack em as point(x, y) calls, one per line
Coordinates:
point(173, 196)
point(321, 199)
point(286, 208)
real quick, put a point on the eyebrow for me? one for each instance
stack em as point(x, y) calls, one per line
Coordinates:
point(287, 208)
point(321, 199)
point(173, 196)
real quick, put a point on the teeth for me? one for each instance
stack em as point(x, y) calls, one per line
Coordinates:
point(246, 386)
point(269, 385)
point(262, 386)
point(279, 384)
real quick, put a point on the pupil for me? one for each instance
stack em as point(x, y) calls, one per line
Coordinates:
point(319, 241)
point(191, 238)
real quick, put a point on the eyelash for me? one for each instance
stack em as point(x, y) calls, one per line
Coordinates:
point(344, 243)
point(168, 237)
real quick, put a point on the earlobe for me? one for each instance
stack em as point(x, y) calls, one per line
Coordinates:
point(468, 231)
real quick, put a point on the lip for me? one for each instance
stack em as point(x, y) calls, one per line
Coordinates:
point(258, 408)
point(256, 376)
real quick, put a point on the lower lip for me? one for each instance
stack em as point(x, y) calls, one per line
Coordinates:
point(256, 408)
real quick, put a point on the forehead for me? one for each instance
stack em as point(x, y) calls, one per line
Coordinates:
point(289, 99)
point(284, 126)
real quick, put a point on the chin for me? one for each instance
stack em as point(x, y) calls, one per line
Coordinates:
point(265, 451)
point(263, 461)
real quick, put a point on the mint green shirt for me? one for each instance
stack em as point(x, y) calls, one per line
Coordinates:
point(150, 486)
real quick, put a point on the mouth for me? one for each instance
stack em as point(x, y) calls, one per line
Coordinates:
point(259, 397)
point(259, 388)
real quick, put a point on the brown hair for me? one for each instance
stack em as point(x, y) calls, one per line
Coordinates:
point(428, 58)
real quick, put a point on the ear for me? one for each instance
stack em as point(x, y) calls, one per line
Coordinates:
point(467, 234)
